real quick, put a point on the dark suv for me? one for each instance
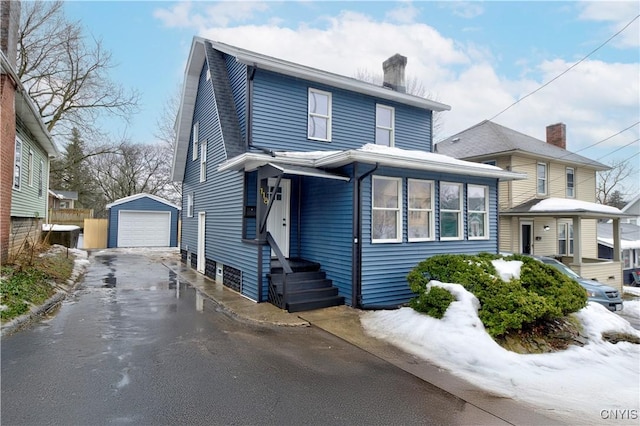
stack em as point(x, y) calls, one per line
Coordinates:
point(603, 294)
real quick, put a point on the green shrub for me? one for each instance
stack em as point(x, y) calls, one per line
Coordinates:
point(433, 302)
point(541, 293)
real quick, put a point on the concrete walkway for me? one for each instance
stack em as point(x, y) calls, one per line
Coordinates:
point(344, 322)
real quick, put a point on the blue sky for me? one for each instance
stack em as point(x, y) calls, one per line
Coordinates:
point(478, 57)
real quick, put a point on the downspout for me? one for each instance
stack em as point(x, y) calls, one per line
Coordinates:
point(356, 270)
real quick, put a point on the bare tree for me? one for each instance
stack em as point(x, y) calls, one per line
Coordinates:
point(66, 72)
point(133, 169)
point(611, 181)
point(166, 130)
point(414, 87)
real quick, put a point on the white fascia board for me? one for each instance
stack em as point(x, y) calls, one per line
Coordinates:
point(187, 106)
point(470, 169)
point(312, 74)
point(27, 111)
point(141, 195)
point(251, 161)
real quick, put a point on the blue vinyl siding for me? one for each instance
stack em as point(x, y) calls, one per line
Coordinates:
point(327, 229)
point(386, 265)
point(220, 197)
point(280, 117)
point(238, 79)
point(142, 204)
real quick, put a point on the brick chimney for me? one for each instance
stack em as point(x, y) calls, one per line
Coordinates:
point(393, 69)
point(557, 135)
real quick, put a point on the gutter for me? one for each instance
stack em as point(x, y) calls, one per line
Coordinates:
point(356, 270)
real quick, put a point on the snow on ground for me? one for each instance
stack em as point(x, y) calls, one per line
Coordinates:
point(578, 383)
point(635, 291)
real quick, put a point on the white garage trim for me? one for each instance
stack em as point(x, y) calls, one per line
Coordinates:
point(144, 228)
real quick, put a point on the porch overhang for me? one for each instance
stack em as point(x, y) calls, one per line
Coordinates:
point(287, 169)
point(369, 154)
point(563, 207)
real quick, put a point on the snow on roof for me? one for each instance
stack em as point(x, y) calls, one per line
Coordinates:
point(569, 205)
point(371, 154)
point(420, 155)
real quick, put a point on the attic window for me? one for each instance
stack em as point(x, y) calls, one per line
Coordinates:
point(196, 125)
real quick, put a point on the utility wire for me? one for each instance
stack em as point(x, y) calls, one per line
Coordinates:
point(567, 70)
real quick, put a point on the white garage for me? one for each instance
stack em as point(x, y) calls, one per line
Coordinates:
point(143, 220)
point(144, 229)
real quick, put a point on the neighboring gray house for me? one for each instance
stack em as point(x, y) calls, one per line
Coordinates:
point(142, 220)
point(632, 208)
point(629, 242)
point(62, 199)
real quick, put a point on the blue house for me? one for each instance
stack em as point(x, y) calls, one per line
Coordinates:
point(309, 189)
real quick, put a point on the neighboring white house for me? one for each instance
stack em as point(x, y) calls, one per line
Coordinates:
point(632, 208)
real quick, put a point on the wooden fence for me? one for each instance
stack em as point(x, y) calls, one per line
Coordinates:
point(95, 234)
point(70, 216)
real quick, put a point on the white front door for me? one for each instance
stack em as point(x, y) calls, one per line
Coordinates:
point(278, 220)
point(201, 262)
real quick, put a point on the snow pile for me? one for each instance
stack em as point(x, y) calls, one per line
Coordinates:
point(577, 383)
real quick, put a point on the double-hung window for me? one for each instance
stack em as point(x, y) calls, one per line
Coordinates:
point(17, 165)
point(319, 120)
point(450, 211)
point(420, 204)
point(571, 183)
point(203, 160)
point(386, 220)
point(196, 129)
point(41, 179)
point(565, 239)
point(478, 212)
point(190, 204)
point(385, 118)
point(542, 179)
point(30, 169)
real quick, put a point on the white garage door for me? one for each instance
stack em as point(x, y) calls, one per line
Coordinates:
point(144, 229)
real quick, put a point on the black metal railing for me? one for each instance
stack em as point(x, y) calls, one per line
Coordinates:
point(274, 296)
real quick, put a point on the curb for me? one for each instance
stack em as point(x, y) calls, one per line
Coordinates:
point(36, 312)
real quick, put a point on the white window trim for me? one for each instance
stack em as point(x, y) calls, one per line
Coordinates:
point(567, 225)
point(313, 114)
point(546, 178)
point(196, 130)
point(17, 162)
point(566, 174)
point(485, 212)
point(459, 211)
point(203, 161)
point(432, 228)
point(391, 129)
point(398, 210)
point(41, 180)
point(190, 204)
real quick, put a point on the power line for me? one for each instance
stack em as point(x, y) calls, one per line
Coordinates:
point(568, 69)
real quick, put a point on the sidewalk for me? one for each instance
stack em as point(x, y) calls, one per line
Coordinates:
point(344, 322)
